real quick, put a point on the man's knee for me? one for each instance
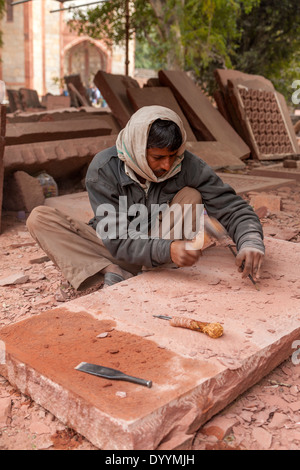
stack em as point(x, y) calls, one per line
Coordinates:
point(188, 195)
point(37, 217)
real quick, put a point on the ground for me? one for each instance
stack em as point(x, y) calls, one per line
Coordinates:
point(267, 416)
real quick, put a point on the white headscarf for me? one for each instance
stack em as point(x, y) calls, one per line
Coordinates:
point(132, 141)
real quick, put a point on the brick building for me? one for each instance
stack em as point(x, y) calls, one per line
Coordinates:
point(39, 48)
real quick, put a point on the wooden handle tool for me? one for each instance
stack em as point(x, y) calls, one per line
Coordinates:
point(214, 330)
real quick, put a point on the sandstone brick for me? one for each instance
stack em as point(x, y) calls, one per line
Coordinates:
point(290, 164)
point(56, 101)
point(272, 203)
point(22, 192)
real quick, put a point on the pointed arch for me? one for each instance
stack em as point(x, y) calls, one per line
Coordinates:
point(85, 56)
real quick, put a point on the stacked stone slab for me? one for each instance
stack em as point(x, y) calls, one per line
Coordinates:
point(59, 158)
point(30, 99)
point(77, 91)
point(206, 120)
point(258, 113)
point(209, 135)
point(26, 133)
point(161, 96)
point(114, 90)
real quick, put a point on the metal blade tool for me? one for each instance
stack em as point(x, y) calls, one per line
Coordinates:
point(213, 228)
point(112, 374)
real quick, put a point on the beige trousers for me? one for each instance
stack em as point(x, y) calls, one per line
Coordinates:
point(74, 246)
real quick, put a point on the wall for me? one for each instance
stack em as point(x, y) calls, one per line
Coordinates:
point(38, 48)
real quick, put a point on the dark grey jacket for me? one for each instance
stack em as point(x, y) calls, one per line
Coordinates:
point(106, 180)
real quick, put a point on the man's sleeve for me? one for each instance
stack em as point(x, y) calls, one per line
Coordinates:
point(122, 242)
point(232, 211)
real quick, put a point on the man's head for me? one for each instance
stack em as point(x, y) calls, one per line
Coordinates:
point(163, 142)
point(151, 128)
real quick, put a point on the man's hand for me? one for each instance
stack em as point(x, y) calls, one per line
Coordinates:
point(249, 261)
point(181, 256)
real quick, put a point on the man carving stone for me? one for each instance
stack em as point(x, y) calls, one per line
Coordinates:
point(148, 167)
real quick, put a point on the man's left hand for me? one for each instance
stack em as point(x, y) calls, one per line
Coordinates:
point(249, 261)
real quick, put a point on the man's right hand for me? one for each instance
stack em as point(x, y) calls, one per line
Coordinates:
point(181, 256)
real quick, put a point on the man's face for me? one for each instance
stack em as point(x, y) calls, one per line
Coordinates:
point(160, 160)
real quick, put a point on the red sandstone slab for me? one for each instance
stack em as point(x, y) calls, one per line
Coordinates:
point(76, 205)
point(22, 192)
point(161, 96)
point(29, 98)
point(245, 183)
point(59, 158)
point(258, 81)
point(56, 114)
point(202, 115)
point(194, 376)
point(77, 91)
point(278, 171)
point(57, 102)
point(68, 114)
point(266, 124)
point(216, 154)
point(114, 90)
point(24, 133)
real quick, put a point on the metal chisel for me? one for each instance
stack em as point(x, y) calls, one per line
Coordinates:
point(113, 374)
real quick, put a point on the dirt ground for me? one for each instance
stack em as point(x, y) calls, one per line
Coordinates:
point(267, 416)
